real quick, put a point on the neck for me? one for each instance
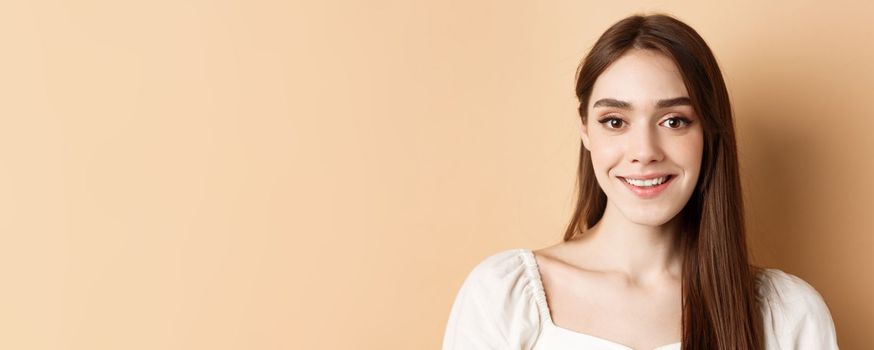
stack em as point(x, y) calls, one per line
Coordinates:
point(640, 252)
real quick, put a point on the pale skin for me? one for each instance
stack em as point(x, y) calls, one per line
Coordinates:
point(621, 280)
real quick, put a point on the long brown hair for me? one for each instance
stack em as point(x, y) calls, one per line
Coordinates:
point(720, 308)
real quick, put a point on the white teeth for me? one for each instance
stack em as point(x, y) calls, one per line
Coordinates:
point(646, 183)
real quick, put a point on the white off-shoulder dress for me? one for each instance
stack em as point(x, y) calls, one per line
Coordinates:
point(502, 305)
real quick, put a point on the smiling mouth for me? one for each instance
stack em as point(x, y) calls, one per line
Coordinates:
point(648, 183)
point(649, 188)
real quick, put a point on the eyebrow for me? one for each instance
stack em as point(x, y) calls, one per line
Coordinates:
point(614, 103)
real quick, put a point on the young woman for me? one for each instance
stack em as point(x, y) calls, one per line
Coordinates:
point(655, 255)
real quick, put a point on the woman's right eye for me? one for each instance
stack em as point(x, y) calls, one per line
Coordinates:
point(612, 122)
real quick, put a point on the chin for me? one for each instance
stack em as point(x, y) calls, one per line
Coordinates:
point(646, 217)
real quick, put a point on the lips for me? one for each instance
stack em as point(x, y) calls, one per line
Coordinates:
point(647, 176)
point(647, 192)
point(649, 182)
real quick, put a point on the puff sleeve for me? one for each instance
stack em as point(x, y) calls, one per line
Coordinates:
point(495, 307)
point(795, 315)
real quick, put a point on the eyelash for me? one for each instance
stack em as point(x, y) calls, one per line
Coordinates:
point(607, 119)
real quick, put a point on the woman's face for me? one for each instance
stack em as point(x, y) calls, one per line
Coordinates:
point(640, 126)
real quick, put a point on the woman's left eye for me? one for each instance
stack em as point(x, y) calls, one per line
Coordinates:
point(677, 122)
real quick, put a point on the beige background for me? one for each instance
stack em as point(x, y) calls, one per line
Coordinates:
point(271, 175)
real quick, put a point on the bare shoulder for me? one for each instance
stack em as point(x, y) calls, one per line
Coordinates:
point(564, 265)
point(554, 257)
point(565, 257)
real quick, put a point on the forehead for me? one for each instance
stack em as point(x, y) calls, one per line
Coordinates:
point(642, 76)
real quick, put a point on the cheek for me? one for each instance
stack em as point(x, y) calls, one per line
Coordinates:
point(688, 151)
point(605, 153)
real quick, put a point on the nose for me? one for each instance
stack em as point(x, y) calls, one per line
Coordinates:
point(644, 147)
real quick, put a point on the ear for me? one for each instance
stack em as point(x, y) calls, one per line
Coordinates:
point(584, 133)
